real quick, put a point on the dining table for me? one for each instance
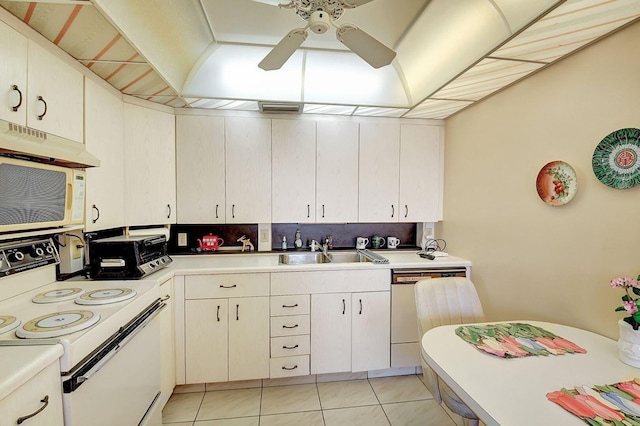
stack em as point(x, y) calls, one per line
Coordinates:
point(512, 391)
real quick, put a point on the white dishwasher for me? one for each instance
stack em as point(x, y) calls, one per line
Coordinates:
point(405, 350)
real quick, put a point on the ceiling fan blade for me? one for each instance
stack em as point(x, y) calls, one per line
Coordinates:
point(362, 44)
point(283, 50)
point(350, 3)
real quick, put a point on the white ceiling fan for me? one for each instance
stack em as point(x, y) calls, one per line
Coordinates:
point(320, 15)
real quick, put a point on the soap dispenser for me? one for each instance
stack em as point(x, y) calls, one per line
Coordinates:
point(298, 239)
point(284, 242)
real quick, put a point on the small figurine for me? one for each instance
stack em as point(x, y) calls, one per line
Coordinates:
point(246, 242)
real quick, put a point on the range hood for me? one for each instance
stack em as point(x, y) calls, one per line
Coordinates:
point(22, 141)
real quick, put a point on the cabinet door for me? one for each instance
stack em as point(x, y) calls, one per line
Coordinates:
point(371, 343)
point(248, 170)
point(104, 138)
point(61, 89)
point(379, 172)
point(293, 156)
point(167, 343)
point(13, 72)
point(27, 400)
point(330, 333)
point(337, 172)
point(206, 340)
point(150, 188)
point(421, 173)
point(248, 338)
point(200, 169)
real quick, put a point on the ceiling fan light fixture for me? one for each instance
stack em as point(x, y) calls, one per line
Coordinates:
point(319, 22)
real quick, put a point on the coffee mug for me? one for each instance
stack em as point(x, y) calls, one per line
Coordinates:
point(393, 242)
point(361, 243)
point(378, 242)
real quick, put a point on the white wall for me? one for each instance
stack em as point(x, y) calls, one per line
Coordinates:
point(531, 260)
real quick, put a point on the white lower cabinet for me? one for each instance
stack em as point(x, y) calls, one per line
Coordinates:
point(226, 319)
point(167, 343)
point(350, 332)
point(40, 398)
point(349, 314)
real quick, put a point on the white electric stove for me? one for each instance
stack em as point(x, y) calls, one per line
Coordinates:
point(107, 330)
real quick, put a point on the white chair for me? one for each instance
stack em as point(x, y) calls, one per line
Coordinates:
point(444, 301)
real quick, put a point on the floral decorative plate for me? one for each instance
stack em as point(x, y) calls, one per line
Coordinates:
point(557, 183)
point(616, 159)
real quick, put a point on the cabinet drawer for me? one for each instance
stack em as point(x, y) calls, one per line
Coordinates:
point(289, 366)
point(226, 285)
point(290, 305)
point(290, 325)
point(290, 346)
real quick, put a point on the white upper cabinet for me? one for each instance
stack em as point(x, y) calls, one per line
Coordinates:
point(337, 171)
point(104, 137)
point(379, 172)
point(150, 183)
point(421, 173)
point(248, 170)
point(54, 95)
point(293, 155)
point(200, 162)
point(13, 75)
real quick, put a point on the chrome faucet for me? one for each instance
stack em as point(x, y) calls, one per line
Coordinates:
point(314, 245)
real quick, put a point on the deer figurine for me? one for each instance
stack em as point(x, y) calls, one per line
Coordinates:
point(246, 243)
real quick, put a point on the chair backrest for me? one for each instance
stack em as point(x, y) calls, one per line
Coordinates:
point(444, 301)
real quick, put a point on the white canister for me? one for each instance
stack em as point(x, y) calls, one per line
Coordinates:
point(629, 344)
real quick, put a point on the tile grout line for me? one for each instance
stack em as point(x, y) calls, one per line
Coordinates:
point(379, 402)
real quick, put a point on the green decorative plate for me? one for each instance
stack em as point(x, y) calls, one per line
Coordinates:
point(616, 159)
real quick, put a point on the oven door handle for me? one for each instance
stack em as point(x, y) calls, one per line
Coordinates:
point(89, 374)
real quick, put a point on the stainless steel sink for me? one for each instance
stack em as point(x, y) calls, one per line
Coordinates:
point(318, 257)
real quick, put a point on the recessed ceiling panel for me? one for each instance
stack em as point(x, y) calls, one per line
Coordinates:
point(438, 109)
point(380, 112)
point(232, 72)
point(485, 78)
point(344, 78)
point(569, 27)
point(329, 109)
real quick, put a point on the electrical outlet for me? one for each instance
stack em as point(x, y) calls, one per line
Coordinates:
point(264, 235)
point(182, 239)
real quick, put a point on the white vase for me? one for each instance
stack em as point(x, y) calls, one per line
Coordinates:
point(629, 344)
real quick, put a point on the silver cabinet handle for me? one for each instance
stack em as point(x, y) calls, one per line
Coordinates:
point(290, 326)
point(393, 210)
point(169, 214)
point(308, 210)
point(360, 313)
point(344, 306)
point(218, 314)
point(237, 312)
point(406, 210)
point(228, 286)
point(217, 211)
point(16, 107)
point(289, 347)
point(233, 211)
point(290, 306)
point(44, 400)
point(290, 368)
point(323, 210)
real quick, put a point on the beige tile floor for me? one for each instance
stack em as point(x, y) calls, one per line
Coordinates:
point(395, 401)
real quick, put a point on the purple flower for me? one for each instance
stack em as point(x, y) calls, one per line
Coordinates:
point(630, 307)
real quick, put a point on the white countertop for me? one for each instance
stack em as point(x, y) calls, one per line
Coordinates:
point(268, 262)
point(21, 363)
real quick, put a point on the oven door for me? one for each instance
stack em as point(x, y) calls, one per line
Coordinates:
point(118, 387)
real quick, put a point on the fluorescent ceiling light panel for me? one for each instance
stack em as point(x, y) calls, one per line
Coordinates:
point(329, 109)
point(380, 112)
point(232, 72)
point(438, 109)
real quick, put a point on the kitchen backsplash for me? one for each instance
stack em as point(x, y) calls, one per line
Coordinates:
point(344, 235)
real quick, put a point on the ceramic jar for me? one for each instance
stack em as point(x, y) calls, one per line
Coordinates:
point(629, 344)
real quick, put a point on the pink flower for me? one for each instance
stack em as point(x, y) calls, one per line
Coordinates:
point(630, 307)
point(626, 282)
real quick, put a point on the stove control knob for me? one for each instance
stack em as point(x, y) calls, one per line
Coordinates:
point(163, 260)
point(49, 249)
point(16, 256)
point(152, 265)
point(37, 251)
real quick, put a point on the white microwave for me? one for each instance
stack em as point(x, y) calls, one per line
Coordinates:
point(36, 195)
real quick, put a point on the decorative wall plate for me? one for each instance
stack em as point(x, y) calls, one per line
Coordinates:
point(616, 159)
point(557, 183)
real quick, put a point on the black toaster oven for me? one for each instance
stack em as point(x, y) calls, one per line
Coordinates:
point(127, 257)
